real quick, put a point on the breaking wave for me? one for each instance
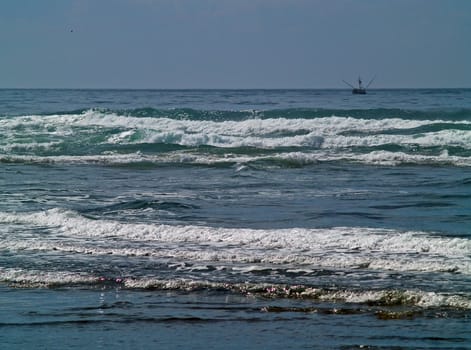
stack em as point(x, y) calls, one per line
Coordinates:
point(381, 299)
point(205, 137)
point(338, 247)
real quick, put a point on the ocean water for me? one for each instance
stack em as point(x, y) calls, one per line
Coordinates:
point(235, 219)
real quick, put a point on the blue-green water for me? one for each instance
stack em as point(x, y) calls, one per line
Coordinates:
point(235, 219)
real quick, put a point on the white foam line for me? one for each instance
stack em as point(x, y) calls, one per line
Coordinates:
point(417, 298)
point(89, 159)
point(227, 255)
point(46, 278)
point(323, 133)
point(301, 158)
point(8, 147)
point(39, 278)
point(381, 297)
point(326, 126)
point(332, 124)
point(374, 157)
point(459, 138)
point(336, 247)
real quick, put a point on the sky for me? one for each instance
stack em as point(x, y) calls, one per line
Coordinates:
point(212, 44)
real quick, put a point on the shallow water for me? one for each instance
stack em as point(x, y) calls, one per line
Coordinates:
point(51, 319)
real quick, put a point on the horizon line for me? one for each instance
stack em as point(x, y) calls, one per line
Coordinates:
point(231, 88)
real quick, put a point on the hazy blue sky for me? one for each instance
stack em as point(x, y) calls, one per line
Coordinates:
point(234, 43)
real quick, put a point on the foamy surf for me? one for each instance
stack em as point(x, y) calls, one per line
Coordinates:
point(369, 298)
point(107, 137)
point(338, 247)
point(284, 159)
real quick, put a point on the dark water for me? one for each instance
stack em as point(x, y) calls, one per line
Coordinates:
point(235, 219)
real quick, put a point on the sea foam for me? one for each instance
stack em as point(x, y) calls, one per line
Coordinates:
point(337, 247)
point(95, 136)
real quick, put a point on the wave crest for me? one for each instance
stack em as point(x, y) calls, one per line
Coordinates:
point(338, 247)
point(110, 137)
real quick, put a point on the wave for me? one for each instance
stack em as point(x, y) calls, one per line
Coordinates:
point(338, 247)
point(242, 162)
point(270, 263)
point(379, 299)
point(111, 136)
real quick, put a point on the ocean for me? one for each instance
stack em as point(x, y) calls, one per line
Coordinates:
point(235, 219)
